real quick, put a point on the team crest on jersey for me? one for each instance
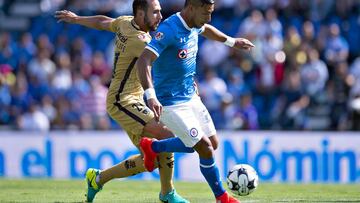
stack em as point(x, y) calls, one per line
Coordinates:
point(183, 53)
point(193, 132)
point(159, 36)
point(142, 36)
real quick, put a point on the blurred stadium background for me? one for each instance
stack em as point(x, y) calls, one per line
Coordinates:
point(303, 76)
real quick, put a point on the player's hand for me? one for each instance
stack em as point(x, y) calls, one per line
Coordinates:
point(65, 16)
point(156, 107)
point(242, 43)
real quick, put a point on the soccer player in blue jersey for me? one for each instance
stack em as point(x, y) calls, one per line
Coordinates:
point(172, 53)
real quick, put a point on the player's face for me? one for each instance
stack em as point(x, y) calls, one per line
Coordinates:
point(202, 15)
point(153, 15)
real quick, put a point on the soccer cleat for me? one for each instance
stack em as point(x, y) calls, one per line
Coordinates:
point(148, 152)
point(92, 186)
point(226, 198)
point(172, 197)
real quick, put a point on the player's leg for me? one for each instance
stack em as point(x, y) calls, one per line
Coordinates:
point(214, 141)
point(205, 148)
point(135, 130)
point(208, 166)
point(138, 121)
point(133, 122)
point(185, 123)
point(210, 171)
point(166, 171)
point(158, 131)
point(134, 165)
point(165, 161)
point(129, 167)
point(96, 178)
point(132, 117)
point(206, 122)
point(173, 116)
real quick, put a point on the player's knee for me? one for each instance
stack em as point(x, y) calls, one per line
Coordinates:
point(157, 130)
point(214, 142)
point(204, 148)
point(215, 146)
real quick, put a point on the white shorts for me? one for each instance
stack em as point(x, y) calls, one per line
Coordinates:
point(190, 121)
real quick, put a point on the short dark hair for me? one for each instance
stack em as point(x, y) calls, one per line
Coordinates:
point(139, 4)
point(198, 2)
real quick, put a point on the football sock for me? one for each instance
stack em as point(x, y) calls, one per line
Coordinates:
point(129, 167)
point(211, 173)
point(170, 145)
point(166, 171)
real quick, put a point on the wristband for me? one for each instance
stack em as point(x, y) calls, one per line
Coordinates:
point(150, 93)
point(230, 42)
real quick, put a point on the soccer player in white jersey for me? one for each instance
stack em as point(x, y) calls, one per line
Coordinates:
point(172, 97)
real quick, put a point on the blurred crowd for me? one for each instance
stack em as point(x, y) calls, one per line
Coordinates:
point(304, 73)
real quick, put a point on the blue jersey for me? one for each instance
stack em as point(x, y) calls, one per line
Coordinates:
point(176, 46)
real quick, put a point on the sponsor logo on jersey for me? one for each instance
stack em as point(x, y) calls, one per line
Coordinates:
point(159, 35)
point(121, 37)
point(182, 54)
point(193, 132)
point(183, 40)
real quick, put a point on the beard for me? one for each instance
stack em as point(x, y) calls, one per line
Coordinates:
point(151, 26)
point(199, 25)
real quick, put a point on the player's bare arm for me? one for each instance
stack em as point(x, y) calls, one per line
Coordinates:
point(144, 64)
point(210, 32)
point(98, 22)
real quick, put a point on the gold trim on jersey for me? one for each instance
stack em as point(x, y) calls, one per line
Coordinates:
point(133, 23)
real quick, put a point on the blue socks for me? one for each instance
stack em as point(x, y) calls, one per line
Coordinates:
point(207, 166)
point(170, 145)
point(211, 173)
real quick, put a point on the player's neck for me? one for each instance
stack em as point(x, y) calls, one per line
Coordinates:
point(141, 24)
point(185, 15)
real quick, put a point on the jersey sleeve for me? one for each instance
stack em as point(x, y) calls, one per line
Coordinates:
point(163, 38)
point(115, 24)
point(139, 44)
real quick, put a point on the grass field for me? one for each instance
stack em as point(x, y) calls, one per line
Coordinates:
point(147, 192)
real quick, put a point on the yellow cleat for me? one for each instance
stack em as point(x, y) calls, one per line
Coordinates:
point(92, 186)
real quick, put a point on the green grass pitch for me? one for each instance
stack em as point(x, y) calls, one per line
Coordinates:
point(35, 190)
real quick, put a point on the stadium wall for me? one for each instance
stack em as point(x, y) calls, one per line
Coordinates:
point(301, 157)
